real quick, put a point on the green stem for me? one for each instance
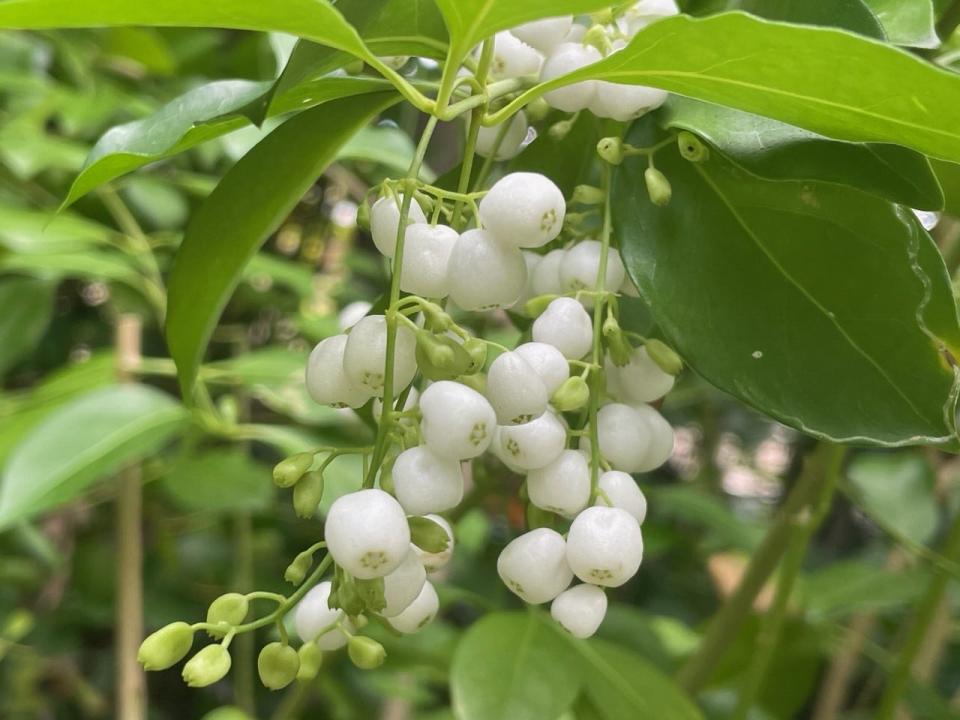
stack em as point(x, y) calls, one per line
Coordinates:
point(726, 623)
point(243, 582)
point(803, 529)
point(923, 616)
point(473, 130)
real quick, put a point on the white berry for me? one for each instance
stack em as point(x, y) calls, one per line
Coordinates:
point(419, 613)
point(510, 144)
point(352, 313)
point(660, 438)
point(544, 34)
point(624, 437)
point(513, 58)
point(580, 610)
point(484, 273)
point(532, 261)
point(426, 253)
point(565, 58)
point(563, 486)
point(533, 444)
point(642, 380)
point(403, 585)
point(515, 391)
point(458, 422)
point(367, 533)
point(385, 222)
point(548, 362)
point(534, 566)
point(625, 102)
point(326, 380)
point(605, 546)
point(365, 355)
point(580, 267)
point(426, 482)
point(622, 492)
point(434, 561)
point(566, 326)
point(546, 276)
point(523, 209)
point(313, 615)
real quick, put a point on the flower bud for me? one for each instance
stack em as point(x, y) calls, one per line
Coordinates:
point(165, 647)
point(288, 471)
point(477, 350)
point(664, 356)
point(208, 666)
point(588, 195)
point(692, 147)
point(617, 344)
point(307, 494)
point(572, 395)
point(311, 660)
point(297, 570)
point(366, 653)
point(440, 357)
point(228, 610)
point(278, 665)
point(658, 187)
point(611, 150)
point(537, 110)
point(363, 215)
point(558, 131)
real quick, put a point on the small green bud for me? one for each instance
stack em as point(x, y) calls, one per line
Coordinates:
point(539, 518)
point(311, 660)
point(692, 148)
point(278, 665)
point(165, 647)
point(588, 195)
point(537, 110)
point(344, 595)
point(363, 215)
point(227, 610)
point(477, 350)
point(297, 570)
point(288, 471)
point(664, 356)
point(617, 344)
point(435, 317)
point(371, 593)
point(366, 653)
point(229, 409)
point(440, 357)
point(558, 131)
point(658, 187)
point(427, 535)
point(307, 494)
point(354, 68)
point(536, 305)
point(610, 149)
point(573, 394)
point(208, 666)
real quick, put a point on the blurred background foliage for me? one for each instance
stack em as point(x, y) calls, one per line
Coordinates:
point(213, 521)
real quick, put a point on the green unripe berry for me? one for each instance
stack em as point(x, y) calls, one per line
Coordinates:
point(692, 147)
point(307, 494)
point(610, 149)
point(288, 471)
point(297, 570)
point(311, 660)
point(588, 195)
point(658, 187)
point(208, 666)
point(366, 653)
point(664, 356)
point(278, 665)
point(477, 350)
point(165, 647)
point(228, 610)
point(573, 394)
point(537, 110)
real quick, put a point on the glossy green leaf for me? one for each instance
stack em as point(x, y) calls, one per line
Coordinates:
point(949, 176)
point(82, 442)
point(218, 481)
point(822, 306)
point(847, 14)
point(899, 489)
point(249, 203)
point(27, 231)
point(843, 588)
point(776, 151)
point(907, 22)
point(27, 308)
point(513, 665)
point(793, 74)
point(388, 146)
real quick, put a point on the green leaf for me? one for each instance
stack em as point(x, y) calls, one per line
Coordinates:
point(218, 481)
point(27, 308)
point(724, 529)
point(843, 588)
point(847, 14)
point(821, 306)
point(948, 174)
point(824, 80)
point(24, 231)
point(513, 665)
point(568, 161)
point(907, 22)
point(249, 203)
point(387, 146)
point(82, 442)
point(776, 151)
point(898, 488)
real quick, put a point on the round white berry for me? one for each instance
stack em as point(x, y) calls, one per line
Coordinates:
point(534, 566)
point(523, 209)
point(580, 267)
point(484, 273)
point(566, 326)
point(513, 58)
point(548, 362)
point(625, 102)
point(532, 260)
point(565, 58)
point(403, 585)
point(510, 144)
point(622, 492)
point(367, 533)
point(546, 276)
point(365, 355)
point(533, 444)
point(419, 613)
point(642, 380)
point(514, 389)
point(660, 438)
point(623, 436)
point(604, 546)
point(326, 381)
point(563, 486)
point(352, 313)
point(426, 253)
point(614, 387)
point(580, 610)
point(645, 12)
point(434, 561)
point(458, 422)
point(385, 222)
point(544, 34)
point(426, 482)
point(313, 616)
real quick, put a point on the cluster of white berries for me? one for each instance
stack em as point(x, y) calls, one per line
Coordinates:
point(515, 410)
